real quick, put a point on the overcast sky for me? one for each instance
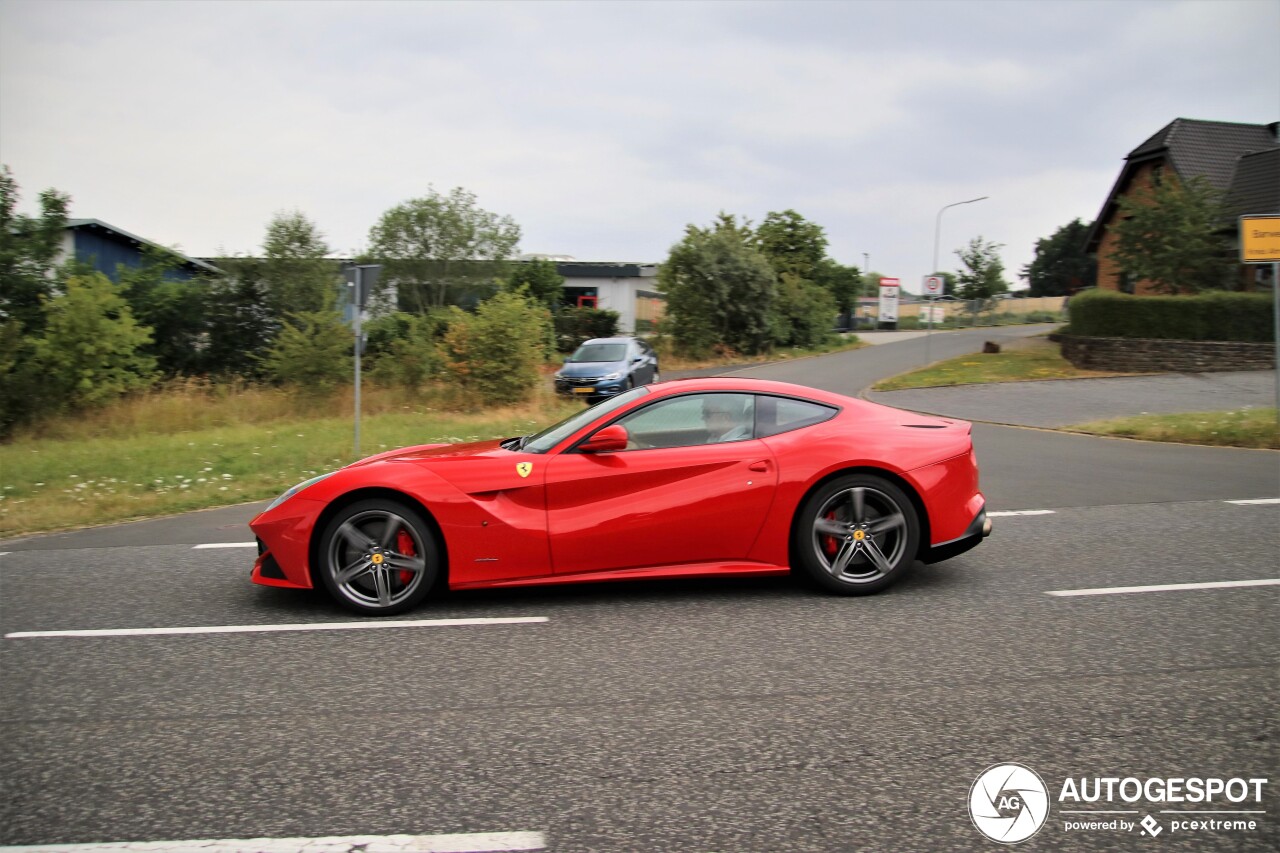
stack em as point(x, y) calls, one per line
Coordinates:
point(604, 128)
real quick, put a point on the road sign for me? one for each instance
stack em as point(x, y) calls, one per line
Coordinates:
point(934, 285)
point(1260, 239)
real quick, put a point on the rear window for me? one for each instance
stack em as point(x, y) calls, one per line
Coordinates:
point(775, 415)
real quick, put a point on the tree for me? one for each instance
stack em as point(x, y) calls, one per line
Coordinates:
point(983, 273)
point(436, 244)
point(1061, 265)
point(1171, 236)
point(804, 312)
point(539, 280)
point(792, 244)
point(296, 276)
point(92, 347)
point(29, 250)
point(720, 290)
point(173, 309)
point(312, 353)
point(239, 327)
point(843, 283)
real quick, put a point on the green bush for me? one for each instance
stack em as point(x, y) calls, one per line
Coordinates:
point(404, 349)
point(92, 348)
point(1212, 316)
point(494, 355)
point(575, 325)
point(312, 354)
point(803, 313)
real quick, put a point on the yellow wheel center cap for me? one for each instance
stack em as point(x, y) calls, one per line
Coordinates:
point(377, 559)
point(859, 535)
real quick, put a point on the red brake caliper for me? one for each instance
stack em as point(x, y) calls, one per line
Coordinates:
point(829, 543)
point(404, 544)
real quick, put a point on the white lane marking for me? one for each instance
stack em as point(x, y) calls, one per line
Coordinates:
point(471, 842)
point(224, 545)
point(249, 629)
point(1256, 502)
point(1021, 512)
point(1164, 587)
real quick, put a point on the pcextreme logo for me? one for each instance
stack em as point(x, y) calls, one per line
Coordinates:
point(1010, 803)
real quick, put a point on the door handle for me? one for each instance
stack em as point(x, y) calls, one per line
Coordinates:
point(760, 467)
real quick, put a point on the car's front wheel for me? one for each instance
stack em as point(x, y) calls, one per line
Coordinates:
point(379, 557)
point(856, 535)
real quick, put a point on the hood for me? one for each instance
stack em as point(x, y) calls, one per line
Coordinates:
point(479, 467)
point(437, 452)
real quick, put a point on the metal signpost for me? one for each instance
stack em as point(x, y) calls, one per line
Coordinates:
point(1260, 244)
point(933, 287)
point(361, 279)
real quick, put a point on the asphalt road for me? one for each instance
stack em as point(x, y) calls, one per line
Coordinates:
point(690, 716)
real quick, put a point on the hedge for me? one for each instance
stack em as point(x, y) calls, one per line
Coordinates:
point(1212, 316)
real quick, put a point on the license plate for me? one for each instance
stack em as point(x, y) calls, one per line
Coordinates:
point(583, 390)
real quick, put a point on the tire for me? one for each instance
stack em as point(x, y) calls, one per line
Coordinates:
point(856, 535)
point(379, 557)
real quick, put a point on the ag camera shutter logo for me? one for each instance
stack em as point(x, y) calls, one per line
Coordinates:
point(1008, 803)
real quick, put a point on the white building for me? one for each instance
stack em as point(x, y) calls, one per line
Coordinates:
point(631, 289)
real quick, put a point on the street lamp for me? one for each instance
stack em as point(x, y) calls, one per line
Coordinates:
point(937, 237)
point(937, 229)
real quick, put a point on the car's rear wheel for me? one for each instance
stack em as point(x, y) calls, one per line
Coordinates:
point(856, 535)
point(379, 557)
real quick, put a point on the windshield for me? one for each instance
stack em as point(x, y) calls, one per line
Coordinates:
point(553, 435)
point(599, 352)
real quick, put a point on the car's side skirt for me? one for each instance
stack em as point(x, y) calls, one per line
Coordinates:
point(689, 570)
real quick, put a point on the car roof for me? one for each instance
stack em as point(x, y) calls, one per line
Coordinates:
point(618, 340)
point(748, 385)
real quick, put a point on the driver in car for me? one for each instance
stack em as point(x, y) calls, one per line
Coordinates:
point(725, 420)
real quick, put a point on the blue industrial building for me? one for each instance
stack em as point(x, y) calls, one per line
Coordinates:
point(105, 247)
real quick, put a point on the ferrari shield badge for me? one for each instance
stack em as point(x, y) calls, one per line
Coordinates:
point(524, 469)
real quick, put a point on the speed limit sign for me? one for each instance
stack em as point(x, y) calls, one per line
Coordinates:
point(933, 285)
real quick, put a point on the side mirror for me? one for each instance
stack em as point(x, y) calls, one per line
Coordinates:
point(612, 437)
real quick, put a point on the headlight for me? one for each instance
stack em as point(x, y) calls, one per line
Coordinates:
point(559, 375)
point(612, 376)
point(293, 491)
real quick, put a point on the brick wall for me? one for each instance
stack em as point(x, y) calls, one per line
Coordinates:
point(1142, 181)
point(1144, 355)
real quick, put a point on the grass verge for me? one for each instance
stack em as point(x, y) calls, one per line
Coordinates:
point(1027, 359)
point(1244, 428)
point(109, 476)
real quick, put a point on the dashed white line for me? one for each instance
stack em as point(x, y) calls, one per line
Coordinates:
point(1164, 587)
point(211, 545)
point(1009, 512)
point(305, 626)
point(1256, 502)
point(472, 842)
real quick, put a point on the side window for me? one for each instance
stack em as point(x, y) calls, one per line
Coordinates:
point(776, 415)
point(692, 420)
